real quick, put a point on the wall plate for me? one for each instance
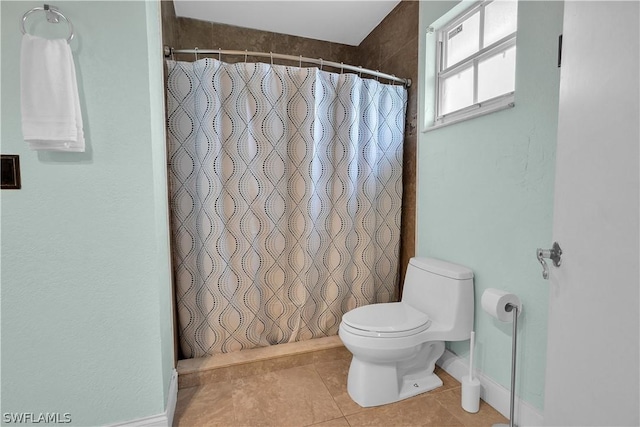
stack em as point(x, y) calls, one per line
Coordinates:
point(10, 172)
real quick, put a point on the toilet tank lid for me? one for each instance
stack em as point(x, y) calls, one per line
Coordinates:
point(443, 268)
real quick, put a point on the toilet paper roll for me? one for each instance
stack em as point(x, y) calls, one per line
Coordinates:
point(494, 302)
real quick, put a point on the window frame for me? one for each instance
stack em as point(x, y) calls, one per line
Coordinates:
point(487, 106)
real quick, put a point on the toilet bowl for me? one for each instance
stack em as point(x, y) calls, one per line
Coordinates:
point(395, 345)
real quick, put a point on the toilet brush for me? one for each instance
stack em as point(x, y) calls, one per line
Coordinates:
point(471, 385)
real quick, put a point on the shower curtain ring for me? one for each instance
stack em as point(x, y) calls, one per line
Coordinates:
point(219, 54)
point(245, 56)
point(271, 55)
point(321, 64)
point(196, 52)
point(341, 67)
point(300, 65)
point(360, 71)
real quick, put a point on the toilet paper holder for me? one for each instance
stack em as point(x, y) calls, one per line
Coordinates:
point(554, 254)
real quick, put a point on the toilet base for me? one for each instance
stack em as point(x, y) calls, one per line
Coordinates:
point(374, 383)
point(414, 386)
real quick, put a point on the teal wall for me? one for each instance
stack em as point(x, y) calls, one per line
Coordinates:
point(485, 195)
point(86, 291)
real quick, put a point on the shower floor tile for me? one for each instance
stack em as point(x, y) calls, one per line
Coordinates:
point(316, 395)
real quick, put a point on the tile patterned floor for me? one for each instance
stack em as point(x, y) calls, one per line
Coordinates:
point(316, 395)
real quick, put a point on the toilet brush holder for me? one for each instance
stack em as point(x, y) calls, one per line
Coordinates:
point(471, 385)
point(470, 394)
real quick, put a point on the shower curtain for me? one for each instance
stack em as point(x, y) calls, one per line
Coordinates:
point(285, 188)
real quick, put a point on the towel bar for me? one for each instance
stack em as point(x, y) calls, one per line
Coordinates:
point(52, 16)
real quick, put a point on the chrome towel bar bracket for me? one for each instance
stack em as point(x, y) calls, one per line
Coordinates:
point(554, 254)
point(53, 16)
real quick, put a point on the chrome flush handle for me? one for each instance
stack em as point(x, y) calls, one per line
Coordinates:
point(554, 254)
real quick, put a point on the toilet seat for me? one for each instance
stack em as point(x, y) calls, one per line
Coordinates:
point(396, 319)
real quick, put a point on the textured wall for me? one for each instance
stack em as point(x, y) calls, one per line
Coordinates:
point(86, 314)
point(392, 47)
point(485, 196)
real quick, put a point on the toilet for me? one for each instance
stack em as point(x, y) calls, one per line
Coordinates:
point(395, 345)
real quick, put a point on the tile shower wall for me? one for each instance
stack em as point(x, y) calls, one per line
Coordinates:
point(392, 47)
point(187, 33)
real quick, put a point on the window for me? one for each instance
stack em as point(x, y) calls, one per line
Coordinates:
point(476, 61)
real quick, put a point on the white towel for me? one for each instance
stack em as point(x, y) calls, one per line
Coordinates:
point(51, 117)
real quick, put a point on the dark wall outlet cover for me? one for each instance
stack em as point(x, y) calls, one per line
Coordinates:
point(10, 172)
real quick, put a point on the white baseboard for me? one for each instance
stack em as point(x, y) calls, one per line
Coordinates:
point(172, 399)
point(491, 392)
point(161, 420)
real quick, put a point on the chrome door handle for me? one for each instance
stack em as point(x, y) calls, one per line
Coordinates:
point(554, 254)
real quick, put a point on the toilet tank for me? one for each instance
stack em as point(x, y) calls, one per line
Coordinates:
point(444, 291)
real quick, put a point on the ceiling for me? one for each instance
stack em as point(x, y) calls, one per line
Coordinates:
point(339, 21)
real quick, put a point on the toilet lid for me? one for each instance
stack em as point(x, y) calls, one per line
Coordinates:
point(387, 318)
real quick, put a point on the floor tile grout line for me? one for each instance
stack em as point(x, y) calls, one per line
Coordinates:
point(329, 391)
point(326, 421)
point(326, 388)
point(347, 420)
point(334, 398)
point(450, 413)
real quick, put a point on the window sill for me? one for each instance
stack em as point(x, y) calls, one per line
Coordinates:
point(473, 113)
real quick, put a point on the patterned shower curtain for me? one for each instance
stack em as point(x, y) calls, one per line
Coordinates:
point(285, 187)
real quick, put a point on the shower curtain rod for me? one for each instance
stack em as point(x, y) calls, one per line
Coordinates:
point(168, 51)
